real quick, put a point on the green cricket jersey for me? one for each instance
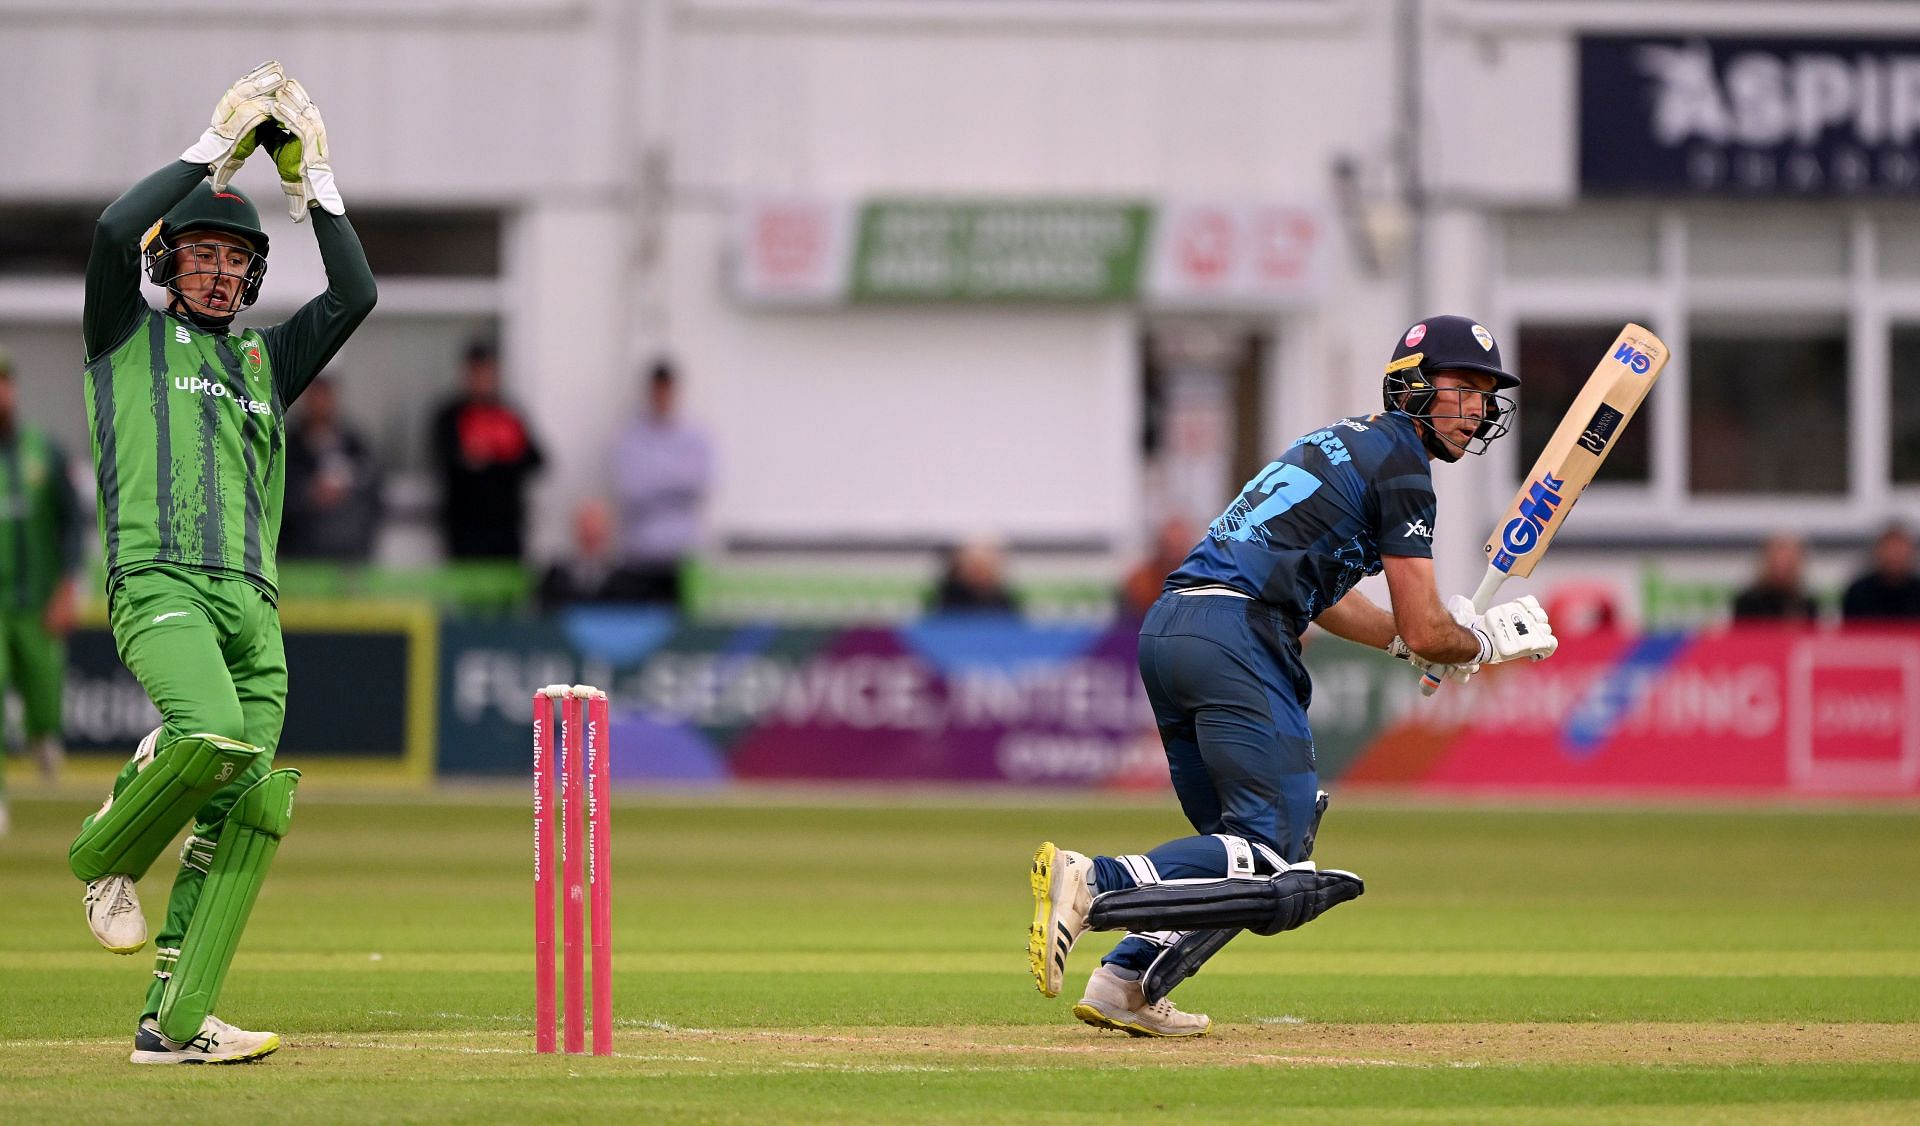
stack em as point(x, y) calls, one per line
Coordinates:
point(39, 519)
point(187, 422)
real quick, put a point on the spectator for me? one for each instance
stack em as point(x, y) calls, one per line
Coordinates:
point(484, 454)
point(333, 482)
point(589, 573)
point(1779, 592)
point(662, 469)
point(1890, 589)
point(1143, 585)
point(975, 580)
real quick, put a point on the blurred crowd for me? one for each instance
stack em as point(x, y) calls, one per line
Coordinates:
point(627, 546)
point(1886, 589)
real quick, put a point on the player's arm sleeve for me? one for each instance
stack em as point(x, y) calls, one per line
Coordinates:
point(1407, 511)
point(70, 527)
point(113, 302)
point(302, 344)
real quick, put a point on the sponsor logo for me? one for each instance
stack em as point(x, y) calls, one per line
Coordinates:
point(158, 618)
point(1485, 338)
point(1522, 533)
point(1635, 359)
point(1600, 429)
point(1416, 334)
point(1502, 561)
point(181, 335)
point(1352, 425)
point(197, 385)
point(1418, 528)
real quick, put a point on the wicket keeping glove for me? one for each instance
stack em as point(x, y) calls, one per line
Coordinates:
point(297, 138)
point(1514, 630)
point(229, 140)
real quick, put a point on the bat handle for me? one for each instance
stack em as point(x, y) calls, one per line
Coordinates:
point(1482, 598)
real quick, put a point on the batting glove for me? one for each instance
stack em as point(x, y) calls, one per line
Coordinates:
point(229, 140)
point(1439, 672)
point(297, 138)
point(1515, 630)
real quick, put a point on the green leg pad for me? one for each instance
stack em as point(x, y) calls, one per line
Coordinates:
point(248, 840)
point(140, 821)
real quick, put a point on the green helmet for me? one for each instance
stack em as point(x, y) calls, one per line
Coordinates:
point(207, 210)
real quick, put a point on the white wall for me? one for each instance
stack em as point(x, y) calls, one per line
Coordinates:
point(618, 136)
point(945, 421)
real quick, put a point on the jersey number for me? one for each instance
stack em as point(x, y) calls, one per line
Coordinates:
point(1284, 486)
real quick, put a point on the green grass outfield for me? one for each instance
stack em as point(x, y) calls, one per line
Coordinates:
point(781, 959)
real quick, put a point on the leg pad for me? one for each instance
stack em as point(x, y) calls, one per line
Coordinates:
point(1264, 906)
point(138, 823)
point(248, 840)
point(1181, 960)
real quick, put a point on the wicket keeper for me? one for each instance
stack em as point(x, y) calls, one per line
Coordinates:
point(1220, 658)
point(186, 412)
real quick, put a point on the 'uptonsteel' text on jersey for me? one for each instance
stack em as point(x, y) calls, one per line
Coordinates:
point(1314, 522)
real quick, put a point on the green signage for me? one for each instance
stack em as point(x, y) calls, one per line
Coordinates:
point(1015, 251)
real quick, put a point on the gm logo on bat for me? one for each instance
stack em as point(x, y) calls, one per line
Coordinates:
point(1635, 359)
point(1522, 533)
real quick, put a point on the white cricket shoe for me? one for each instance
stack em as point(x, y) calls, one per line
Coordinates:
point(114, 916)
point(1112, 1001)
point(218, 1042)
point(1062, 896)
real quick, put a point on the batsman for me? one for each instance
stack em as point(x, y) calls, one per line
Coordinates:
point(1220, 660)
point(186, 412)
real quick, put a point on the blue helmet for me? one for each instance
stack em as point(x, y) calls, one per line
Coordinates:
point(1448, 343)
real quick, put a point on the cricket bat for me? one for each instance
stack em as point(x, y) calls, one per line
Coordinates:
point(1586, 434)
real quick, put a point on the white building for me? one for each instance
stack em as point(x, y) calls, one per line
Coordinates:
point(584, 176)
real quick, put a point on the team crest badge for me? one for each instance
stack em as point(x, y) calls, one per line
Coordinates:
point(252, 354)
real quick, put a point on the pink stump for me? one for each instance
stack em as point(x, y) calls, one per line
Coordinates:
point(600, 818)
point(543, 1025)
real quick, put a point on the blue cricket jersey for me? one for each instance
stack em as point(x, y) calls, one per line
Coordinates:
point(1314, 522)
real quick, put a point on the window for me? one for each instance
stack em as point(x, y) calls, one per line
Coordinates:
point(1767, 406)
point(1553, 362)
point(1904, 365)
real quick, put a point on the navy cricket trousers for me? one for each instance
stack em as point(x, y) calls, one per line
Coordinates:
point(1230, 697)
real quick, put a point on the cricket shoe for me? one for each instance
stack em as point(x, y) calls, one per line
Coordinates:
point(218, 1042)
point(1112, 1001)
point(1062, 896)
point(114, 916)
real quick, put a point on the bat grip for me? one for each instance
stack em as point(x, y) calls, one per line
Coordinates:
point(1482, 598)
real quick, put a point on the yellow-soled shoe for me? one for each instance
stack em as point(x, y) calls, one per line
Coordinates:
point(1062, 895)
point(1113, 1002)
point(218, 1042)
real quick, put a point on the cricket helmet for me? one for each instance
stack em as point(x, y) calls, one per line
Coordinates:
point(204, 209)
point(1448, 343)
